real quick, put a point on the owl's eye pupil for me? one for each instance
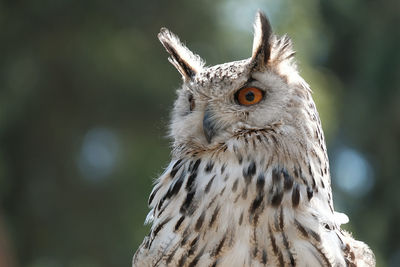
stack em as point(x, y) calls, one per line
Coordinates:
point(249, 96)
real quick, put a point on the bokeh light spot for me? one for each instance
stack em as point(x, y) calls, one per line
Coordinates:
point(98, 154)
point(353, 173)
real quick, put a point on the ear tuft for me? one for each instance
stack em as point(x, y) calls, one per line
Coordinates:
point(184, 60)
point(262, 42)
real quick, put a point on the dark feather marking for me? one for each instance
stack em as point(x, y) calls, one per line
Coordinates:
point(147, 241)
point(175, 186)
point(190, 181)
point(212, 201)
point(160, 203)
point(217, 250)
point(277, 197)
point(209, 166)
point(185, 236)
point(175, 168)
point(290, 55)
point(226, 178)
point(276, 190)
point(302, 177)
point(234, 186)
point(214, 216)
point(171, 255)
point(306, 232)
point(225, 147)
point(275, 176)
point(263, 52)
point(286, 244)
point(193, 175)
point(241, 219)
point(152, 195)
point(186, 204)
point(260, 183)
point(309, 193)
point(273, 243)
point(281, 219)
point(208, 186)
point(162, 210)
point(249, 172)
point(280, 257)
point(179, 222)
point(193, 246)
point(222, 191)
point(310, 170)
point(296, 172)
point(255, 241)
point(256, 203)
point(295, 195)
point(197, 258)
point(178, 61)
point(276, 221)
point(323, 256)
point(255, 251)
point(190, 165)
point(244, 192)
point(160, 226)
point(315, 235)
point(301, 228)
point(237, 198)
point(182, 260)
point(195, 166)
point(200, 221)
point(223, 168)
point(349, 256)
point(255, 218)
point(288, 180)
point(274, 139)
point(264, 257)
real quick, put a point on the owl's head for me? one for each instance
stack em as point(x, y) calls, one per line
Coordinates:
point(216, 104)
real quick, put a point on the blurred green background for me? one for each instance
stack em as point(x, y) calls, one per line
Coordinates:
point(85, 93)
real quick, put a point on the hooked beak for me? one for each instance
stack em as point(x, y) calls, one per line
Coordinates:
point(209, 125)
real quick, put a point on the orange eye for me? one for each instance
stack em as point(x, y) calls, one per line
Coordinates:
point(249, 96)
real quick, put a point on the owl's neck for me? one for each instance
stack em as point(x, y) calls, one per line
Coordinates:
point(260, 184)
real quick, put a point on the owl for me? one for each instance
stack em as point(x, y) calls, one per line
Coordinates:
point(249, 182)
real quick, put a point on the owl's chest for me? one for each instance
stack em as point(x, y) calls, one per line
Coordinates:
point(237, 212)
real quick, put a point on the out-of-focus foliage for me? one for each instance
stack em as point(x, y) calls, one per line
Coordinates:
point(85, 92)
